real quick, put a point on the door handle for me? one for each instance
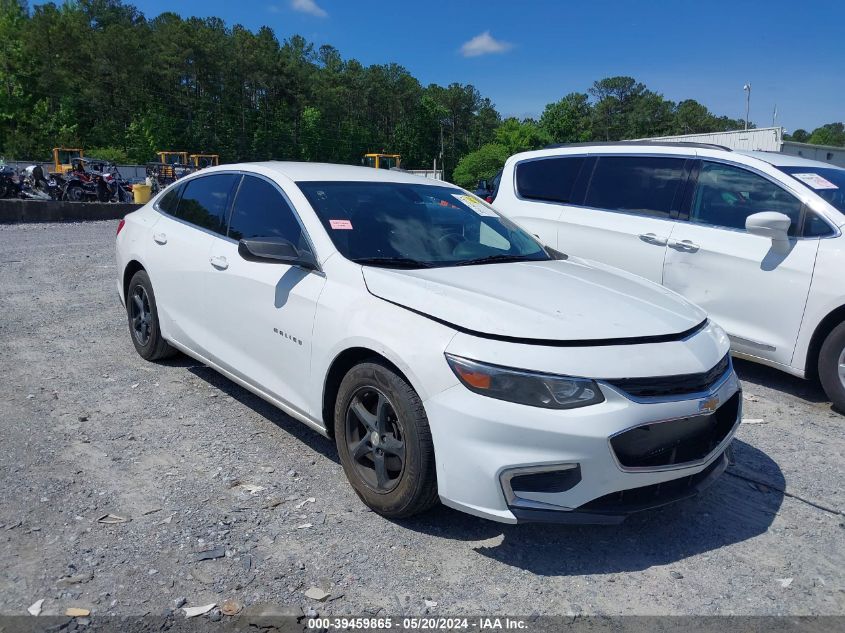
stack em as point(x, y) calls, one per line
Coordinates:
point(653, 238)
point(160, 238)
point(687, 246)
point(219, 262)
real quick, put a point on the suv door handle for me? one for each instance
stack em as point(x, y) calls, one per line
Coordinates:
point(687, 246)
point(219, 262)
point(653, 238)
point(160, 238)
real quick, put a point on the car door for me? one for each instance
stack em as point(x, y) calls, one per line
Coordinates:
point(627, 213)
point(193, 216)
point(753, 287)
point(263, 311)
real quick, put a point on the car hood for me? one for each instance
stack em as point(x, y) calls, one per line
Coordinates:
point(569, 300)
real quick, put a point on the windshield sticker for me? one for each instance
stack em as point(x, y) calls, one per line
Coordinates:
point(476, 205)
point(815, 181)
point(340, 225)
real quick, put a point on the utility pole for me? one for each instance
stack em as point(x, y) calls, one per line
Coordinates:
point(775, 116)
point(747, 88)
point(442, 161)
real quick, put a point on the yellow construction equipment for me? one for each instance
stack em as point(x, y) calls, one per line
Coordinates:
point(200, 161)
point(382, 161)
point(63, 159)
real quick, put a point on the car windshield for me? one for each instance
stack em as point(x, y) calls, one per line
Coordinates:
point(416, 226)
point(828, 182)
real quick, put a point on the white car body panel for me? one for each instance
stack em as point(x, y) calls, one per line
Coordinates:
point(277, 329)
point(770, 300)
point(518, 295)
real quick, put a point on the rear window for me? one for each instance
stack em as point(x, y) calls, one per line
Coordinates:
point(646, 185)
point(205, 201)
point(827, 182)
point(170, 200)
point(551, 179)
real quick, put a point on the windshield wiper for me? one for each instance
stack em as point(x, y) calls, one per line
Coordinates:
point(489, 259)
point(391, 262)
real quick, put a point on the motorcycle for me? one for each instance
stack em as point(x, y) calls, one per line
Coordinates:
point(35, 186)
point(93, 180)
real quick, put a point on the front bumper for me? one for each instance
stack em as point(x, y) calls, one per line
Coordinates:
point(482, 445)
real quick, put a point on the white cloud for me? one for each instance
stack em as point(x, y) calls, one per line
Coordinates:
point(308, 6)
point(484, 44)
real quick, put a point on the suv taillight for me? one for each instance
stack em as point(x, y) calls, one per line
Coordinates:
point(120, 226)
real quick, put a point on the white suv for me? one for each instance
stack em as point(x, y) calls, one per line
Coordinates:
point(754, 238)
point(447, 352)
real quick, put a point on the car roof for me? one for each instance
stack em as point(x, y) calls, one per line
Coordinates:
point(786, 160)
point(301, 171)
point(652, 147)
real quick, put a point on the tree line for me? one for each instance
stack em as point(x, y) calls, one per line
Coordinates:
point(99, 74)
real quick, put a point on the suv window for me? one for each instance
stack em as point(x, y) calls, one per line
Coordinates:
point(260, 210)
point(205, 201)
point(170, 200)
point(551, 179)
point(647, 185)
point(726, 195)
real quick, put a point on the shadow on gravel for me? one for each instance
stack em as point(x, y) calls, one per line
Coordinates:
point(757, 374)
point(304, 434)
point(732, 510)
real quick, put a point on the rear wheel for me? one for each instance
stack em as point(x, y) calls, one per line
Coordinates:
point(143, 319)
point(384, 441)
point(832, 366)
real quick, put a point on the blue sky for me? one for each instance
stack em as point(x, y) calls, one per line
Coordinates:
point(525, 54)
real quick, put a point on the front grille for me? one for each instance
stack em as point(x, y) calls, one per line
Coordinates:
point(656, 495)
point(680, 384)
point(675, 442)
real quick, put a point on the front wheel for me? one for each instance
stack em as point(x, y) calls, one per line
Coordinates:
point(74, 193)
point(143, 319)
point(384, 441)
point(832, 366)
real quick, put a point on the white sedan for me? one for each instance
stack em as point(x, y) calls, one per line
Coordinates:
point(449, 354)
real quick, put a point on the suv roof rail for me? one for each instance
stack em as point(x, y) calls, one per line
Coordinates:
point(644, 142)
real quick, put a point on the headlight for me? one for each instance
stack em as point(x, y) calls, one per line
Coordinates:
point(525, 387)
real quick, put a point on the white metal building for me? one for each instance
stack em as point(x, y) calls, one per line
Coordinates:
point(765, 139)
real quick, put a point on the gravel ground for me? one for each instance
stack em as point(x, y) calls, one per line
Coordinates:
point(90, 429)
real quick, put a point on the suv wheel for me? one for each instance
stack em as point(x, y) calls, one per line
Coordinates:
point(832, 366)
point(384, 441)
point(143, 319)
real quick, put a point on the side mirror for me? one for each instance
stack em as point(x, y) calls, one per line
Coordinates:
point(275, 249)
point(770, 224)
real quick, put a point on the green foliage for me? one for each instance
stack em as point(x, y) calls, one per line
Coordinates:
point(113, 154)
point(568, 120)
point(99, 74)
point(828, 134)
point(482, 163)
point(519, 136)
point(799, 136)
point(511, 136)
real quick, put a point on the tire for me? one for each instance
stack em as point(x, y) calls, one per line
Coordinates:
point(74, 193)
point(831, 357)
point(407, 485)
point(142, 314)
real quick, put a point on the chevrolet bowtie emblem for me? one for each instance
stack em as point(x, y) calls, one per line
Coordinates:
point(709, 405)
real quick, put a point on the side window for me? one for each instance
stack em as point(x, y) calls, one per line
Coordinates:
point(261, 211)
point(647, 185)
point(205, 201)
point(814, 226)
point(726, 195)
point(551, 179)
point(169, 200)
